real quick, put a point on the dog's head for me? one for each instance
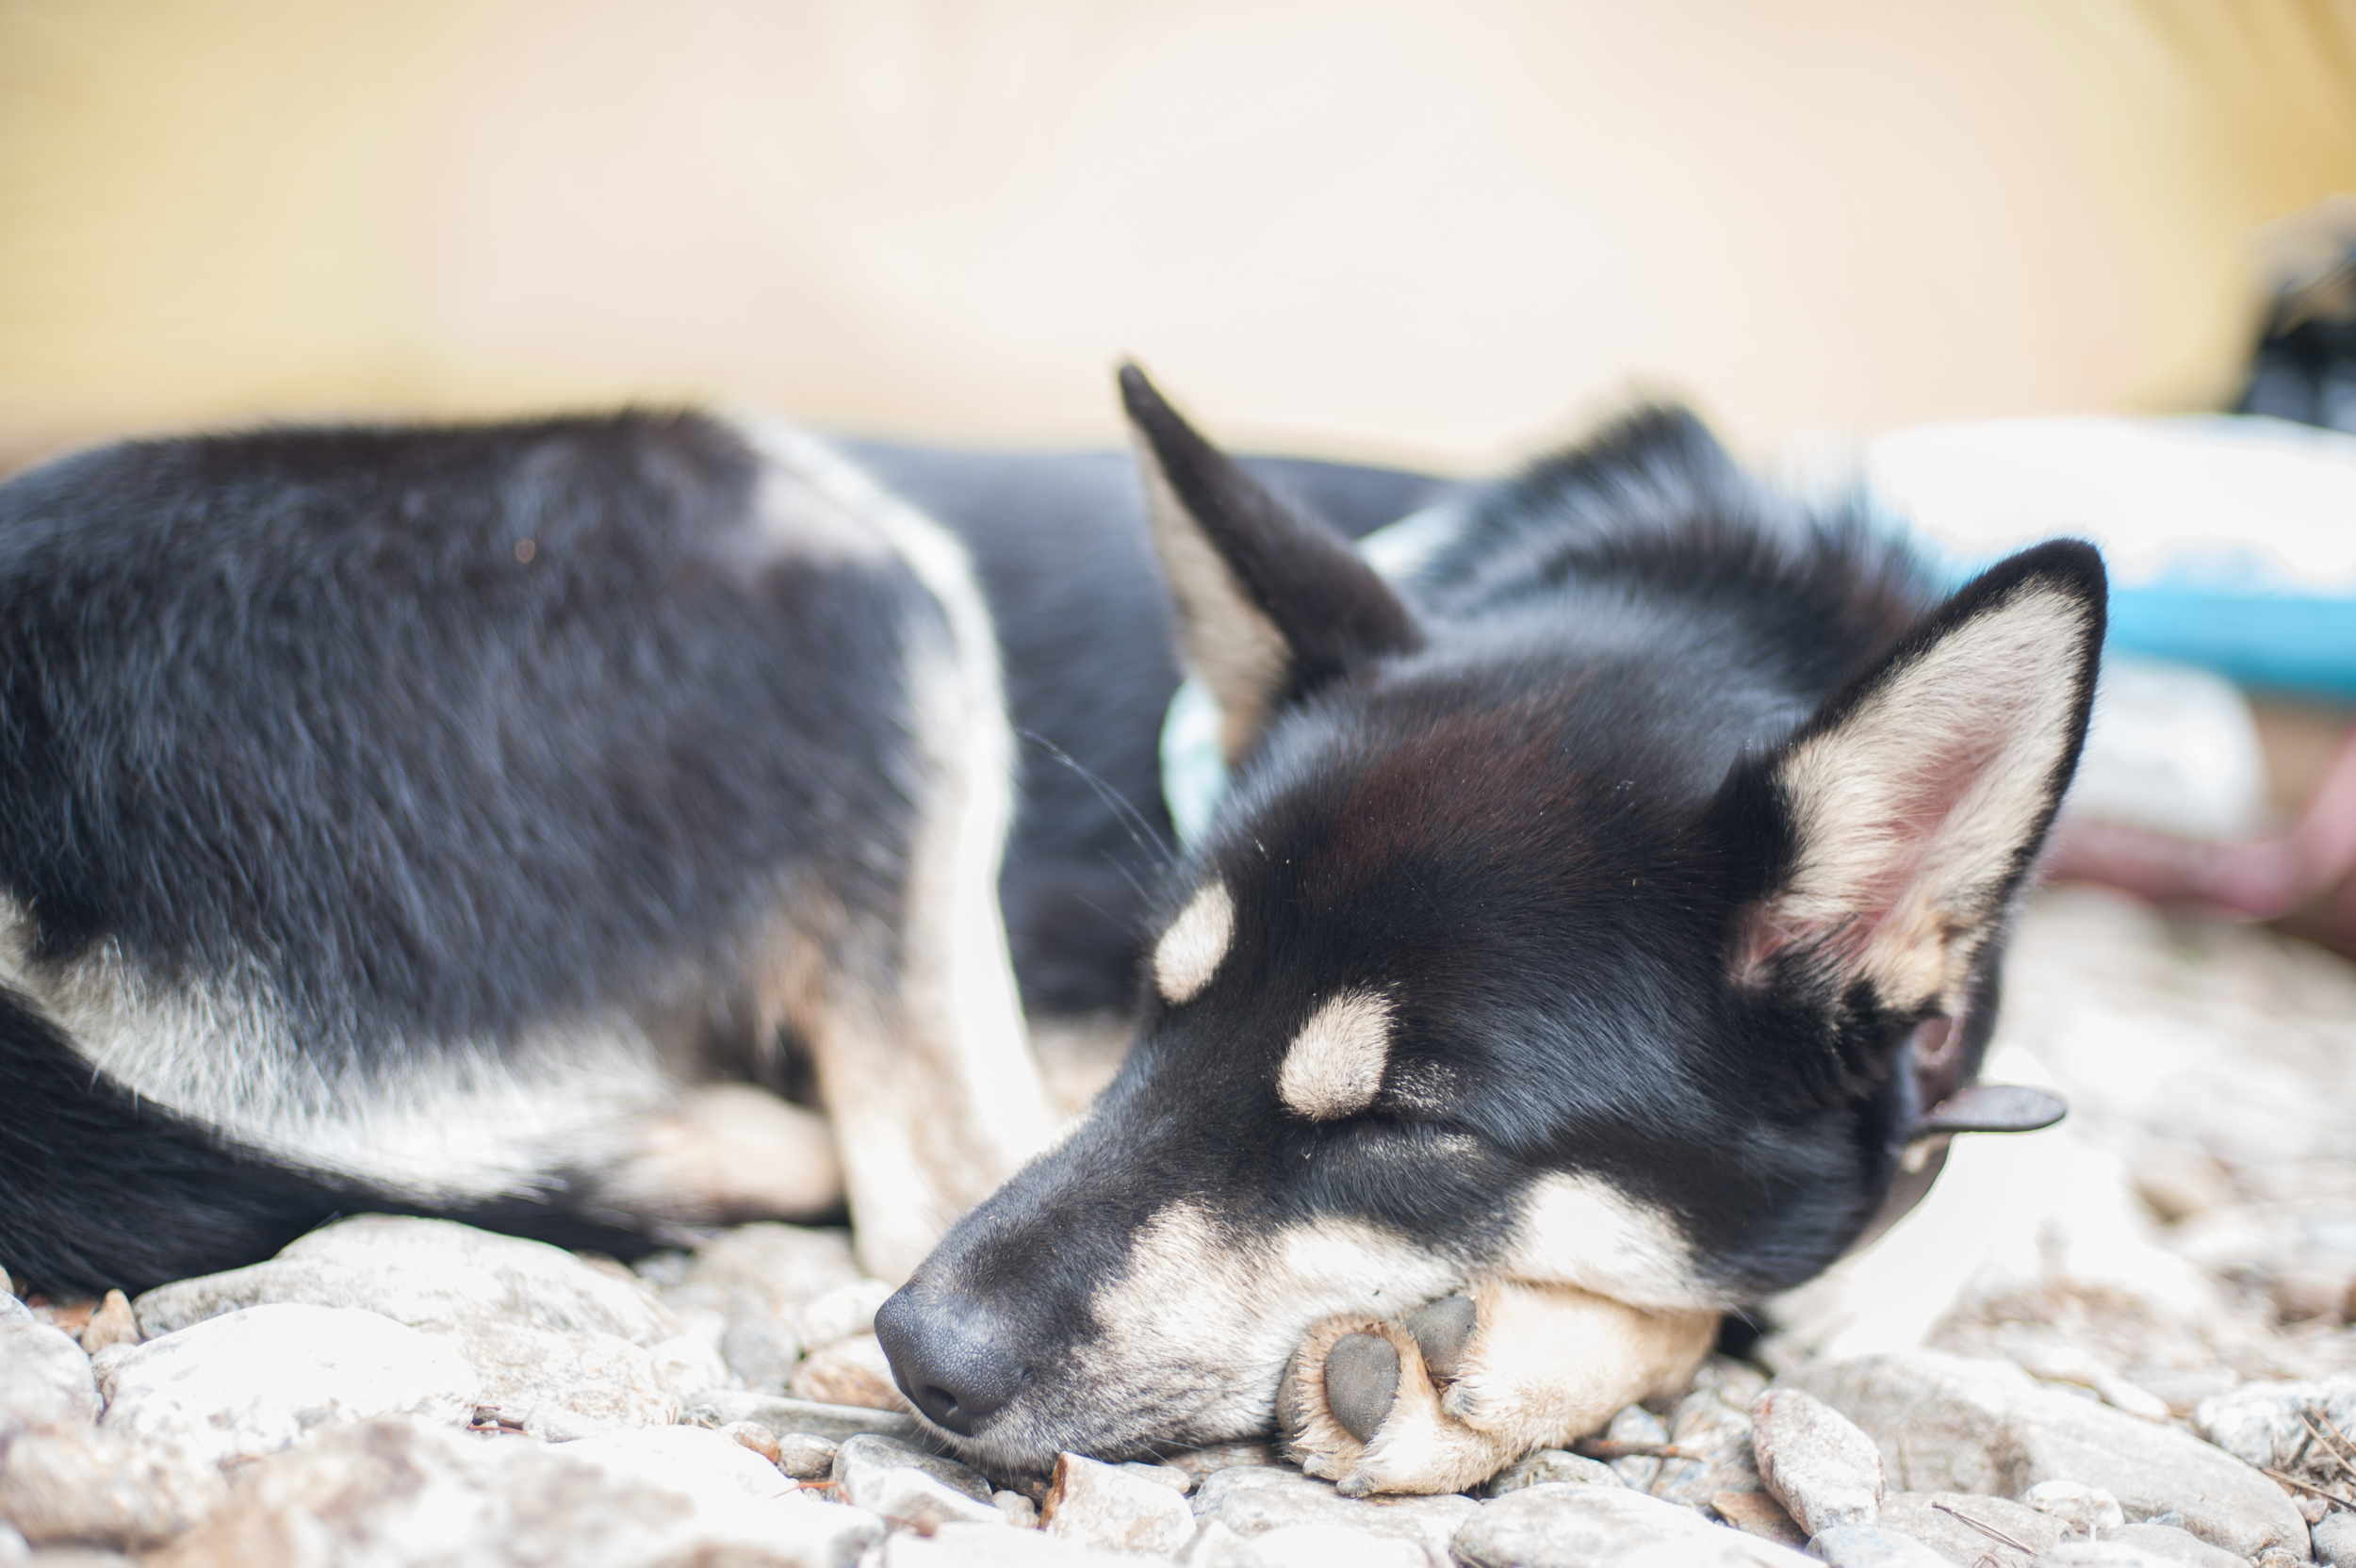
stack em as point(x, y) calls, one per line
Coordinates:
point(1547, 934)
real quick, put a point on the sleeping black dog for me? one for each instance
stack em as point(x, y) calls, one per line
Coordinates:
point(1599, 929)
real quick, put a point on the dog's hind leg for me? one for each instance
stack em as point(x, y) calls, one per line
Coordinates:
point(1456, 1392)
point(909, 1012)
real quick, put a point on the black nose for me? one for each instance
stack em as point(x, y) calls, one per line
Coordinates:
point(949, 1356)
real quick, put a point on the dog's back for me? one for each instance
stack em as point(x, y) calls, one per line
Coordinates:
point(392, 818)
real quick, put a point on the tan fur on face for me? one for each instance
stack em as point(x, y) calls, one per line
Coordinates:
point(1208, 1307)
point(1192, 949)
point(1583, 1232)
point(1901, 903)
point(1334, 1064)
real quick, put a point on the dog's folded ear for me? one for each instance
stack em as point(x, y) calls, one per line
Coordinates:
point(1272, 602)
point(1896, 825)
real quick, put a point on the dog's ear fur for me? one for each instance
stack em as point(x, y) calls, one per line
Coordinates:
point(1271, 601)
point(1902, 818)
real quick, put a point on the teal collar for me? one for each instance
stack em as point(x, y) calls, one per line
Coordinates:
point(1194, 764)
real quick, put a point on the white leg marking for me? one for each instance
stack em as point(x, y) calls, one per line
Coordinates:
point(943, 1100)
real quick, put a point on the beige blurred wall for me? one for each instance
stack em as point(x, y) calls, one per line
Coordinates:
point(1437, 230)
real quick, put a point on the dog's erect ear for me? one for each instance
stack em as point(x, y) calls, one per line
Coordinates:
point(1271, 602)
point(1905, 815)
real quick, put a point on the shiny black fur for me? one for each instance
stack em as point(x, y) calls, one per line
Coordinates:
point(1533, 812)
point(458, 730)
point(301, 694)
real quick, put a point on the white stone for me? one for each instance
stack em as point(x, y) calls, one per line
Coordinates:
point(1713, 1421)
point(82, 1485)
point(1984, 1427)
point(257, 1379)
point(2084, 1511)
point(1815, 1461)
point(1555, 1465)
point(787, 1269)
point(424, 1273)
point(2267, 1422)
point(689, 1364)
point(1871, 1546)
point(1555, 1525)
point(757, 1348)
point(805, 1456)
point(782, 1415)
point(1635, 1423)
point(2100, 1554)
point(967, 1545)
point(598, 1382)
point(853, 1371)
point(1250, 1500)
point(45, 1379)
point(2335, 1540)
point(1329, 1546)
point(1720, 1548)
point(683, 1458)
point(400, 1494)
point(1109, 1506)
point(839, 1314)
point(1956, 1524)
point(2184, 1549)
point(898, 1481)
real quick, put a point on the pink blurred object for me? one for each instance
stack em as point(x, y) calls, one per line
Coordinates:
point(2306, 870)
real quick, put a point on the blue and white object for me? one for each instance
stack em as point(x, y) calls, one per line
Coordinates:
point(2231, 547)
point(2231, 540)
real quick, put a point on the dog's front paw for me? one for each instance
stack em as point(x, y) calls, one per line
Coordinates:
point(1456, 1391)
point(1381, 1407)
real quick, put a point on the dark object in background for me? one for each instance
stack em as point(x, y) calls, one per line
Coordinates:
point(2305, 368)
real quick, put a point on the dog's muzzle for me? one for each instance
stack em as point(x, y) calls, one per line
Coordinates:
point(949, 1356)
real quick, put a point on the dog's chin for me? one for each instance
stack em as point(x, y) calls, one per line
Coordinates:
point(1026, 1441)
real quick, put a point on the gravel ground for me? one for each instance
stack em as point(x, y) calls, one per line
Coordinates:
point(2123, 1341)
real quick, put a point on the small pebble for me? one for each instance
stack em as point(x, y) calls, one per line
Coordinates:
point(2088, 1512)
point(2335, 1540)
point(1019, 1510)
point(1114, 1507)
point(753, 1435)
point(1757, 1513)
point(849, 1372)
point(1815, 1460)
point(805, 1456)
point(1871, 1546)
point(111, 1324)
point(1553, 1464)
point(2175, 1545)
point(1636, 1424)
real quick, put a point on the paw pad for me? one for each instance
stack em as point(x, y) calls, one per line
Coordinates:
point(1441, 1331)
point(1360, 1381)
